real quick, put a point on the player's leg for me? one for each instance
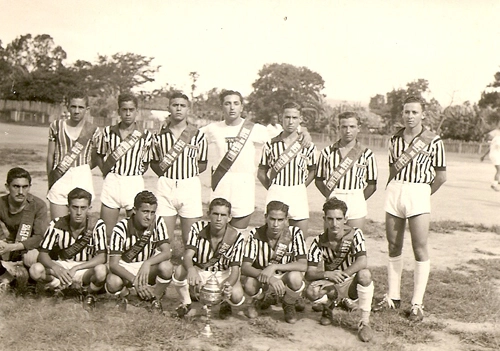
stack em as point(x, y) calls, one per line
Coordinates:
point(191, 209)
point(253, 288)
point(160, 276)
point(170, 223)
point(181, 286)
point(364, 287)
point(496, 179)
point(186, 224)
point(357, 223)
point(303, 224)
point(39, 273)
point(241, 222)
point(95, 278)
point(57, 211)
point(294, 284)
point(110, 217)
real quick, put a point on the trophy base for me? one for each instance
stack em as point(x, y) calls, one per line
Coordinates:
point(207, 331)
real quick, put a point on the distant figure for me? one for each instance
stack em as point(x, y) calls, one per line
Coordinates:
point(274, 128)
point(494, 153)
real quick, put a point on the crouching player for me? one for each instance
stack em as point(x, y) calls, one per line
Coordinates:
point(213, 245)
point(345, 277)
point(139, 254)
point(80, 242)
point(275, 259)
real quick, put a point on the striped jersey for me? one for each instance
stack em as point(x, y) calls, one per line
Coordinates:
point(296, 171)
point(186, 165)
point(64, 143)
point(122, 240)
point(321, 251)
point(259, 253)
point(358, 177)
point(58, 234)
point(134, 162)
point(422, 168)
point(199, 242)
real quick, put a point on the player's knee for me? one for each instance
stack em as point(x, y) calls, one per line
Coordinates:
point(180, 273)
point(312, 293)
point(113, 283)
point(237, 293)
point(165, 269)
point(100, 272)
point(294, 280)
point(30, 257)
point(364, 277)
point(37, 271)
point(251, 286)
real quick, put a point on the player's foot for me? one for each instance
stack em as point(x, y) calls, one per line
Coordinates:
point(121, 304)
point(495, 187)
point(349, 304)
point(365, 332)
point(290, 313)
point(416, 313)
point(225, 310)
point(251, 311)
point(268, 300)
point(327, 314)
point(156, 306)
point(317, 307)
point(386, 303)
point(300, 305)
point(89, 302)
point(182, 310)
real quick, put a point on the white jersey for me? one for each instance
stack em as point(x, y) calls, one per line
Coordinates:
point(221, 136)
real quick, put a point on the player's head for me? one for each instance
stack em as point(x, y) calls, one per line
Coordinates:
point(18, 184)
point(127, 108)
point(414, 99)
point(78, 105)
point(178, 106)
point(78, 204)
point(413, 111)
point(232, 105)
point(219, 212)
point(334, 217)
point(291, 117)
point(274, 119)
point(276, 217)
point(145, 204)
point(335, 204)
point(349, 124)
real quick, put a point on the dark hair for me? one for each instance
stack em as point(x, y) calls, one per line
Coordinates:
point(219, 202)
point(177, 95)
point(145, 197)
point(78, 95)
point(335, 204)
point(349, 114)
point(127, 97)
point(79, 193)
point(277, 206)
point(18, 172)
point(291, 104)
point(414, 99)
point(225, 93)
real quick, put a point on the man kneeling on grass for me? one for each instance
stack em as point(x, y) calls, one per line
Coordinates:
point(275, 260)
point(139, 254)
point(80, 242)
point(345, 279)
point(213, 245)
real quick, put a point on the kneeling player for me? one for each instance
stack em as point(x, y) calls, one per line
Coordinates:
point(81, 241)
point(275, 258)
point(345, 276)
point(139, 254)
point(213, 245)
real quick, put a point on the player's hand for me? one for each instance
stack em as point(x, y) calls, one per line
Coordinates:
point(63, 275)
point(7, 248)
point(142, 277)
point(307, 139)
point(337, 276)
point(144, 292)
point(278, 286)
point(72, 271)
point(193, 277)
point(266, 274)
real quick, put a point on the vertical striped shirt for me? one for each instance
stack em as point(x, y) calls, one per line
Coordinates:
point(260, 253)
point(363, 172)
point(422, 168)
point(186, 165)
point(122, 240)
point(134, 162)
point(64, 143)
point(199, 242)
point(60, 235)
point(320, 251)
point(296, 171)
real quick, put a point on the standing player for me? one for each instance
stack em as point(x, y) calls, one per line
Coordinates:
point(23, 220)
point(123, 157)
point(139, 254)
point(342, 250)
point(71, 154)
point(213, 245)
point(417, 169)
point(348, 171)
point(494, 153)
point(234, 142)
point(275, 259)
point(180, 156)
point(286, 167)
point(80, 242)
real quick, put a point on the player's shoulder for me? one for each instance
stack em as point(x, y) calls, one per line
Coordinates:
point(39, 203)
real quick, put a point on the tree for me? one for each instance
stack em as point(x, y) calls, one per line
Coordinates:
point(279, 83)
point(464, 122)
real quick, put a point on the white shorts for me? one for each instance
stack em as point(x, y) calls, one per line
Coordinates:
point(342, 288)
point(495, 157)
point(293, 196)
point(78, 277)
point(182, 196)
point(406, 200)
point(132, 267)
point(239, 190)
point(80, 177)
point(119, 191)
point(355, 201)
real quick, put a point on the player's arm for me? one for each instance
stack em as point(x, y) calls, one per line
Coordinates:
point(50, 155)
point(234, 275)
point(100, 162)
point(298, 266)
point(61, 273)
point(115, 268)
point(248, 270)
point(360, 263)
point(263, 177)
point(314, 273)
point(142, 276)
point(370, 189)
point(439, 180)
point(155, 166)
point(310, 175)
point(193, 277)
point(202, 166)
point(100, 258)
point(320, 184)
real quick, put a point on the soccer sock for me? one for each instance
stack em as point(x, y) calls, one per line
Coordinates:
point(323, 300)
point(258, 296)
point(365, 297)
point(420, 277)
point(182, 288)
point(394, 272)
point(291, 296)
point(236, 304)
point(161, 286)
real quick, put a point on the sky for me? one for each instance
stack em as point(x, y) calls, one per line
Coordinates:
point(360, 48)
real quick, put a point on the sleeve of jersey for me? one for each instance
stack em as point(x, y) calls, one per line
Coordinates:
point(265, 156)
point(314, 254)
point(202, 147)
point(192, 242)
point(358, 244)
point(320, 169)
point(117, 239)
point(311, 156)
point(238, 251)
point(102, 145)
point(96, 137)
point(100, 237)
point(49, 238)
point(262, 135)
point(53, 131)
point(439, 159)
point(250, 248)
point(149, 143)
point(299, 244)
point(391, 150)
point(157, 142)
point(161, 232)
point(371, 169)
